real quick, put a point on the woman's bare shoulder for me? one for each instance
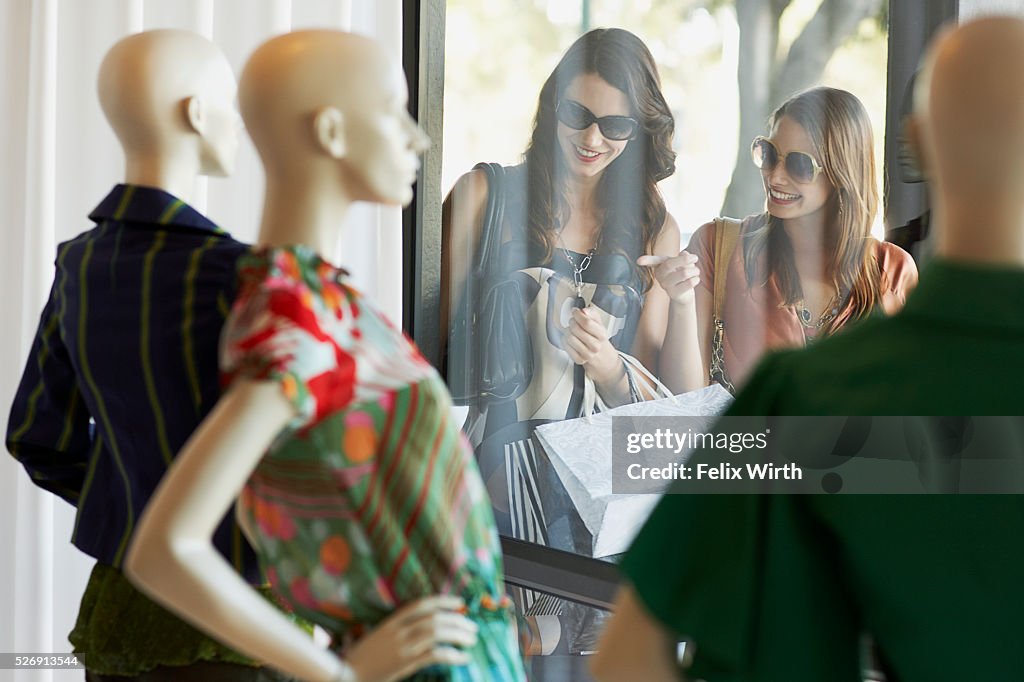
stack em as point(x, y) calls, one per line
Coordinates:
point(470, 187)
point(899, 271)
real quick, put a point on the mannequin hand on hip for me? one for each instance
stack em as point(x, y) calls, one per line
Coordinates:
point(677, 275)
point(420, 634)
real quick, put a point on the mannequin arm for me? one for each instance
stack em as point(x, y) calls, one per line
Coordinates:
point(172, 559)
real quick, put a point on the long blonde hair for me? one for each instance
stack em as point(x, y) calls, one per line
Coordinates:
point(840, 132)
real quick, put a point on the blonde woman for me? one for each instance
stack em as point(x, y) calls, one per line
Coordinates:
point(804, 268)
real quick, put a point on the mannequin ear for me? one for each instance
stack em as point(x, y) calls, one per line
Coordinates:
point(195, 114)
point(329, 128)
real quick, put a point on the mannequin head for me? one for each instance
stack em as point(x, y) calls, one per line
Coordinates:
point(328, 109)
point(969, 109)
point(969, 128)
point(169, 95)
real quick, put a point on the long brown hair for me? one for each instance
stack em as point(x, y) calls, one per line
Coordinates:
point(840, 132)
point(632, 208)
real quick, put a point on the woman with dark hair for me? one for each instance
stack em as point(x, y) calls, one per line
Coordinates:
point(577, 213)
point(801, 270)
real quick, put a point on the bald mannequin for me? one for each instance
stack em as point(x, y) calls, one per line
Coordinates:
point(125, 387)
point(969, 128)
point(169, 96)
point(327, 136)
point(326, 111)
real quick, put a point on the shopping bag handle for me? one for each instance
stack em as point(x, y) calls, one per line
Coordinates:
point(592, 401)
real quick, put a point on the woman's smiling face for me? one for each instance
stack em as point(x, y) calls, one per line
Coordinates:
point(587, 152)
point(787, 198)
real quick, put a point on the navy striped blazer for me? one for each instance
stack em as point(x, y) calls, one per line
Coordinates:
point(124, 364)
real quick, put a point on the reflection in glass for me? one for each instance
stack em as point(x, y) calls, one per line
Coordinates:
point(556, 255)
point(555, 286)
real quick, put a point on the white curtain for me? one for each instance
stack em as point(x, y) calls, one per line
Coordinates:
point(58, 158)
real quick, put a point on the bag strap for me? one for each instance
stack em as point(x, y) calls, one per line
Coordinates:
point(462, 334)
point(634, 365)
point(488, 251)
point(592, 401)
point(727, 232)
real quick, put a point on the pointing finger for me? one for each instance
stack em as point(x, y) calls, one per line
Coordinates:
point(651, 260)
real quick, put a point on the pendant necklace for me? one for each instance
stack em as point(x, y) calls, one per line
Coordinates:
point(577, 270)
point(806, 318)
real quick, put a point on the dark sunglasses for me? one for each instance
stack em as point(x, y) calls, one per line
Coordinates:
point(578, 117)
point(800, 166)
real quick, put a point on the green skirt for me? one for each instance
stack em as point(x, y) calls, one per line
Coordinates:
point(121, 632)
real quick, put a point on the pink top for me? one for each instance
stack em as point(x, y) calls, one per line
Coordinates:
point(755, 322)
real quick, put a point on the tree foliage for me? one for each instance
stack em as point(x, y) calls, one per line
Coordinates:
point(499, 52)
point(768, 76)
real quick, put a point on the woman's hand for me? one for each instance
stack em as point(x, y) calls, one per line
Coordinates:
point(677, 275)
point(587, 344)
point(418, 635)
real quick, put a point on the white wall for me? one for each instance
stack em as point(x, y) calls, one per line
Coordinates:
point(58, 159)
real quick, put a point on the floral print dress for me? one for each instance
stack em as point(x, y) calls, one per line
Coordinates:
point(370, 497)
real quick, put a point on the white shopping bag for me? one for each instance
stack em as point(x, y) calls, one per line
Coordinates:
point(580, 451)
